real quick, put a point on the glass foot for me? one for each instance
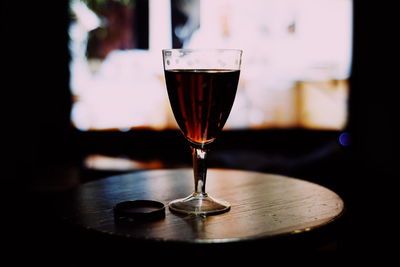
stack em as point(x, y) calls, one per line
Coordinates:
point(199, 204)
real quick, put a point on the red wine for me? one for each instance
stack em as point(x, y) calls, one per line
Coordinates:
point(201, 101)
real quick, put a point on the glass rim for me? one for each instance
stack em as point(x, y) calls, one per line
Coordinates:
point(203, 49)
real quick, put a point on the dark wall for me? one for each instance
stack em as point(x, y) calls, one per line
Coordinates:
point(374, 85)
point(37, 80)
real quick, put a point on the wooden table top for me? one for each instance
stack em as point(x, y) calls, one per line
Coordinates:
point(263, 206)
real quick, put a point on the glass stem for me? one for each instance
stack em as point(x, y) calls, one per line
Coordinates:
point(200, 170)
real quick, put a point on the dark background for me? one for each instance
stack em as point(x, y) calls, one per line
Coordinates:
point(43, 152)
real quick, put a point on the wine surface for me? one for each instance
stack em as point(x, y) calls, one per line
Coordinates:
point(201, 101)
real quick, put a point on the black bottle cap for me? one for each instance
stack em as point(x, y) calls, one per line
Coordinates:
point(139, 210)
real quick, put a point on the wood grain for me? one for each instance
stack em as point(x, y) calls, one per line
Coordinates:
point(263, 206)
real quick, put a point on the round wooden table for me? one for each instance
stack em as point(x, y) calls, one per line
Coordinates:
point(263, 206)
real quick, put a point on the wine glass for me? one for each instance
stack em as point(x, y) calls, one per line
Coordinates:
point(201, 88)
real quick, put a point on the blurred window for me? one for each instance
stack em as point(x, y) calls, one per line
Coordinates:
point(296, 61)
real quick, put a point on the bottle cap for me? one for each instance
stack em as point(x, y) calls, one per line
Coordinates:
point(139, 210)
